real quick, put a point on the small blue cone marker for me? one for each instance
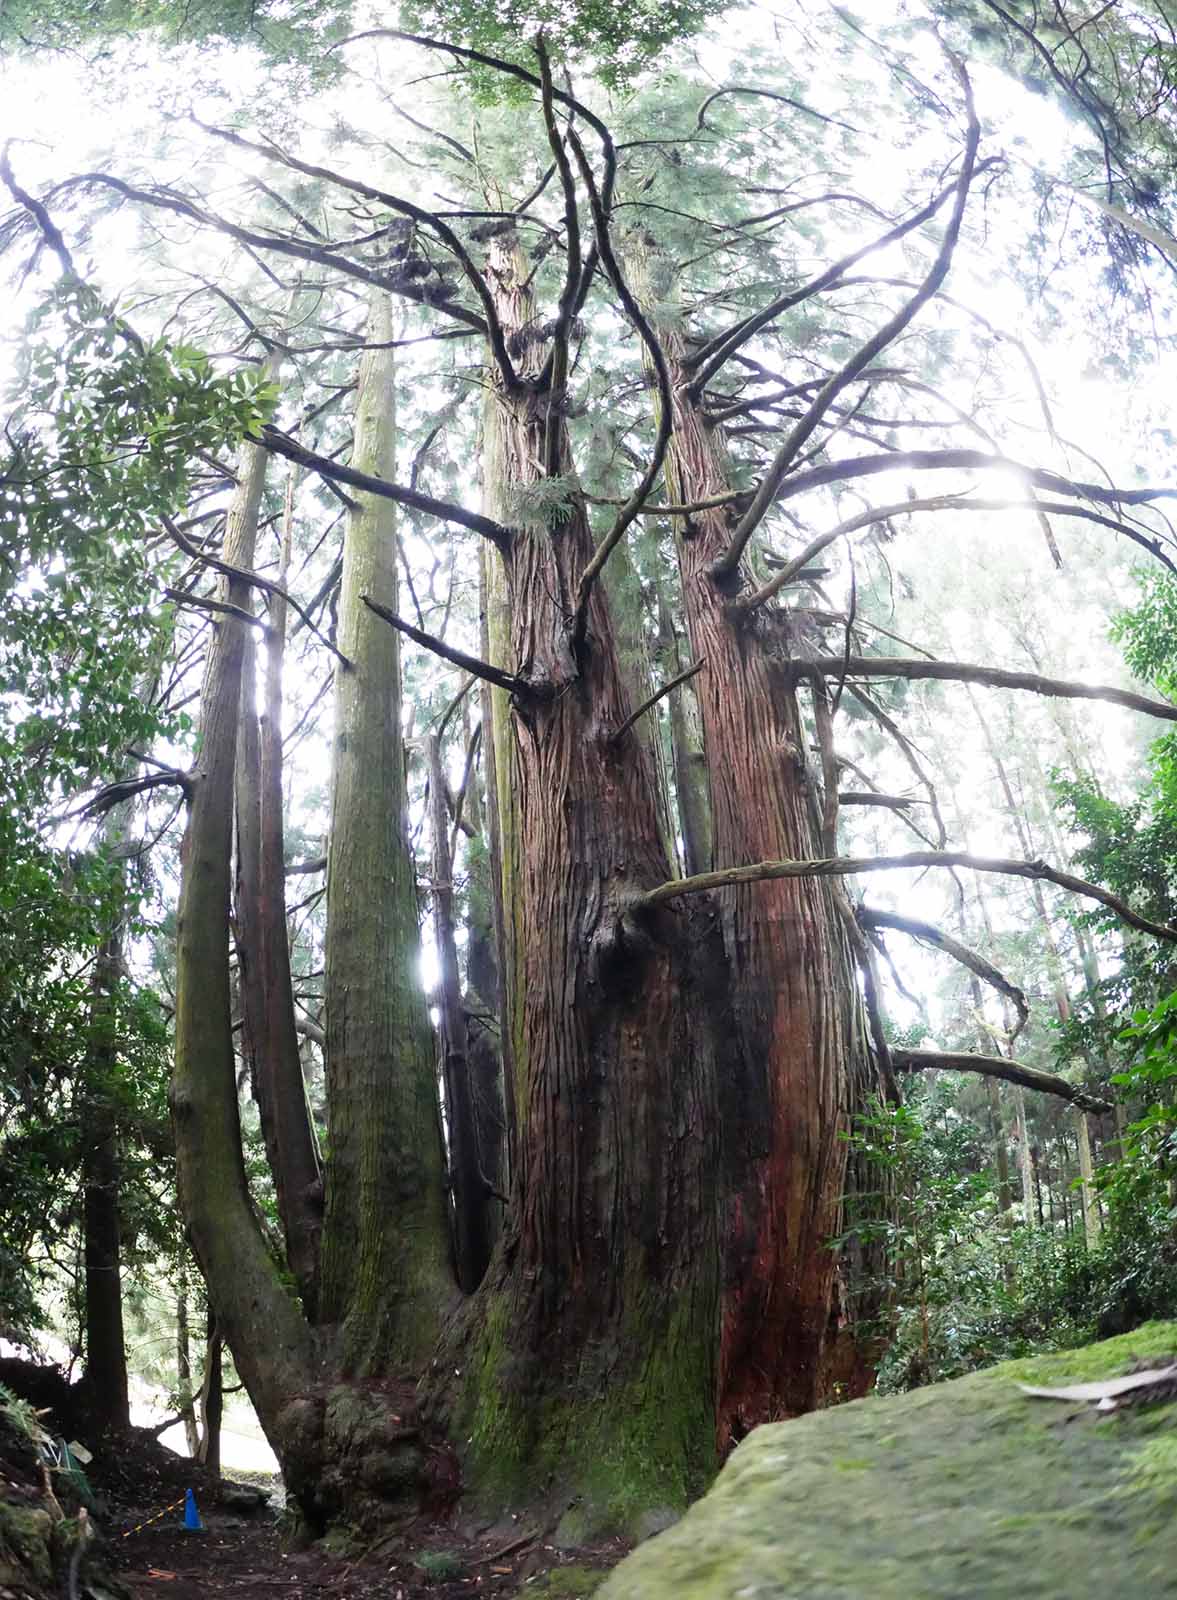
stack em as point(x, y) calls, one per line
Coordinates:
point(191, 1515)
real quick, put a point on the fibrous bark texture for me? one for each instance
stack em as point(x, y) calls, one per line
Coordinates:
point(803, 1061)
point(588, 1370)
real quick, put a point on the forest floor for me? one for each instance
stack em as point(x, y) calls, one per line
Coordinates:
point(245, 1554)
point(140, 1487)
point(251, 1562)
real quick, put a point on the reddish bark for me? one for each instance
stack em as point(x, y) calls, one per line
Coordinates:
point(801, 1035)
point(611, 1242)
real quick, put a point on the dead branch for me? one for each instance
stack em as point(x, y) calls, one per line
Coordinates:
point(653, 700)
point(999, 1067)
point(447, 652)
point(787, 455)
point(850, 866)
point(282, 444)
point(908, 751)
point(927, 933)
point(993, 677)
point(891, 802)
point(300, 868)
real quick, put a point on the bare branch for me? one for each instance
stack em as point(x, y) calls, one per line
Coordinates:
point(115, 793)
point(979, 461)
point(632, 508)
point(659, 694)
point(50, 232)
point(862, 358)
point(299, 868)
point(865, 519)
point(913, 758)
point(998, 1067)
point(404, 208)
point(556, 366)
point(994, 677)
point(768, 94)
point(255, 578)
point(300, 250)
point(282, 444)
point(890, 802)
point(447, 652)
point(927, 933)
point(707, 361)
point(849, 866)
point(223, 608)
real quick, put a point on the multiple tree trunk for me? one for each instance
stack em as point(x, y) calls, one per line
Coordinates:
point(590, 1349)
point(679, 1071)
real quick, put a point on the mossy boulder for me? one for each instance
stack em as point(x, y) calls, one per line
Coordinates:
point(967, 1488)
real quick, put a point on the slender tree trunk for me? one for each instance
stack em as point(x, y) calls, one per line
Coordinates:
point(1000, 1153)
point(260, 1320)
point(106, 1355)
point(385, 1266)
point(291, 1143)
point(212, 1403)
point(1025, 1159)
point(344, 1452)
point(483, 1005)
point(184, 1371)
point(471, 1215)
point(804, 1058)
point(1092, 1222)
point(590, 1352)
point(105, 1344)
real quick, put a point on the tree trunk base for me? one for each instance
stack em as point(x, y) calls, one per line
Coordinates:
point(360, 1458)
point(598, 1446)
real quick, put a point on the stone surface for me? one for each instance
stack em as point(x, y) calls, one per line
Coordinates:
point(964, 1489)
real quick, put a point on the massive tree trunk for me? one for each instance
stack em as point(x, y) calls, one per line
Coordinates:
point(804, 1061)
point(588, 1374)
point(385, 1268)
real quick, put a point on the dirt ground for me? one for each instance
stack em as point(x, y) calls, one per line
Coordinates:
point(132, 1478)
point(250, 1562)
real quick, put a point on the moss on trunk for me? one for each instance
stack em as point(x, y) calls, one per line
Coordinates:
point(385, 1266)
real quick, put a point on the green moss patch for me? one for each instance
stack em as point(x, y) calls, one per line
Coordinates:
point(967, 1488)
point(567, 1583)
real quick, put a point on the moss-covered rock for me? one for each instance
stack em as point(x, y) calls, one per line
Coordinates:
point(26, 1542)
point(968, 1488)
